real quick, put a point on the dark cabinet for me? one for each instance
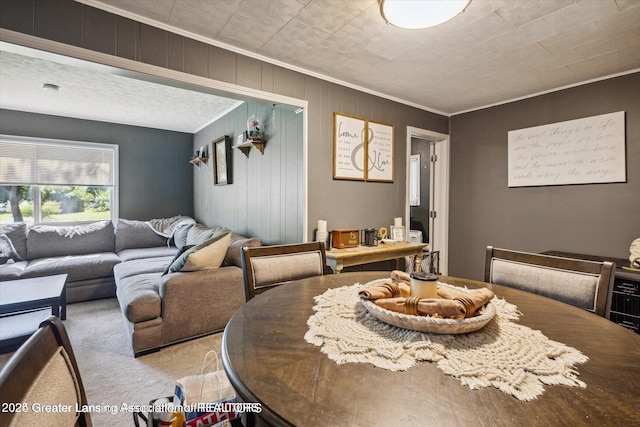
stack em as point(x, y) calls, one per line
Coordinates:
point(625, 301)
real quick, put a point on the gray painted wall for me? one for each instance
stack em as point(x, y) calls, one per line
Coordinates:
point(145, 155)
point(356, 204)
point(266, 197)
point(342, 203)
point(595, 219)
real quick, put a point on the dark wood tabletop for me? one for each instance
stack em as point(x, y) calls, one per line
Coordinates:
point(268, 361)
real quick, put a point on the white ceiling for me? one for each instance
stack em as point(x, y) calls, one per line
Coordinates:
point(496, 51)
point(92, 92)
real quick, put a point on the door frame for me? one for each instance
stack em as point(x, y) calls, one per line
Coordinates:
point(440, 197)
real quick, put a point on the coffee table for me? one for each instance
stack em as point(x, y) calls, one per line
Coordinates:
point(24, 303)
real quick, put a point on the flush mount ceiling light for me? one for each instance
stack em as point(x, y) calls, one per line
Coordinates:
point(418, 14)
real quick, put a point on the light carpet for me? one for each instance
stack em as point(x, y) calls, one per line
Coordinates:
point(110, 373)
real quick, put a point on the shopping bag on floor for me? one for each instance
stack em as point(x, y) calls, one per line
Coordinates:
point(162, 414)
point(206, 398)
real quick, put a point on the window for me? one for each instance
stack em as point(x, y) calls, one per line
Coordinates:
point(54, 181)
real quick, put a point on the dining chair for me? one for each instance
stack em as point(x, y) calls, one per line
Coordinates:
point(581, 283)
point(43, 374)
point(264, 267)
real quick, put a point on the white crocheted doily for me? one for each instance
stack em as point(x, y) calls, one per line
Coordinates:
point(511, 357)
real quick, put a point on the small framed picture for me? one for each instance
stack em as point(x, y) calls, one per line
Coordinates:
point(222, 161)
point(397, 233)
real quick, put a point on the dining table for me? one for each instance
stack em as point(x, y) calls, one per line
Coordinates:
point(295, 383)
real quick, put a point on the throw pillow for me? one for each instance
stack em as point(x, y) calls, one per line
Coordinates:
point(47, 241)
point(204, 256)
point(180, 235)
point(131, 234)
point(17, 233)
point(7, 251)
point(180, 252)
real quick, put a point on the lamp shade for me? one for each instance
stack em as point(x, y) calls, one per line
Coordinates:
point(417, 14)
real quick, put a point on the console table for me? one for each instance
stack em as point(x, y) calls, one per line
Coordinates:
point(623, 299)
point(337, 259)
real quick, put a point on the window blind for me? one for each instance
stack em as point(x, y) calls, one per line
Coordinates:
point(24, 163)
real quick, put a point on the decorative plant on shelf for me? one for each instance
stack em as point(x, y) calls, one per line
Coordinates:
point(253, 128)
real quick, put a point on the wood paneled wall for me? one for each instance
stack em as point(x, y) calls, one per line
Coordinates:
point(266, 196)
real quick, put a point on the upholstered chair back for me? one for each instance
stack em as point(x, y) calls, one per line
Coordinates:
point(43, 373)
point(267, 266)
point(581, 283)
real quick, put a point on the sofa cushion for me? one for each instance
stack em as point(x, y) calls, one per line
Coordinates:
point(180, 235)
point(12, 270)
point(204, 256)
point(139, 297)
point(7, 251)
point(78, 267)
point(143, 253)
point(198, 233)
point(140, 266)
point(46, 241)
point(17, 232)
point(91, 289)
point(234, 254)
point(131, 234)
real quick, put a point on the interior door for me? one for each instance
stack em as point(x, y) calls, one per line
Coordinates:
point(421, 182)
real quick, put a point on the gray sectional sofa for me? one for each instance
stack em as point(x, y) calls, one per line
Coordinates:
point(86, 253)
point(130, 261)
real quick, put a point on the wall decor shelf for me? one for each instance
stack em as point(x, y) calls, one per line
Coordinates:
point(201, 156)
point(259, 144)
point(246, 146)
point(198, 160)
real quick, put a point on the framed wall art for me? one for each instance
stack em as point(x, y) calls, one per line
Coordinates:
point(349, 136)
point(379, 152)
point(397, 233)
point(362, 149)
point(581, 151)
point(222, 164)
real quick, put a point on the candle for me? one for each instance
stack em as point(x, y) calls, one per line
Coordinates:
point(322, 226)
point(397, 222)
point(424, 285)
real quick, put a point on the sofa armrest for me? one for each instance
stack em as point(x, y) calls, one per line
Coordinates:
point(234, 255)
point(199, 302)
